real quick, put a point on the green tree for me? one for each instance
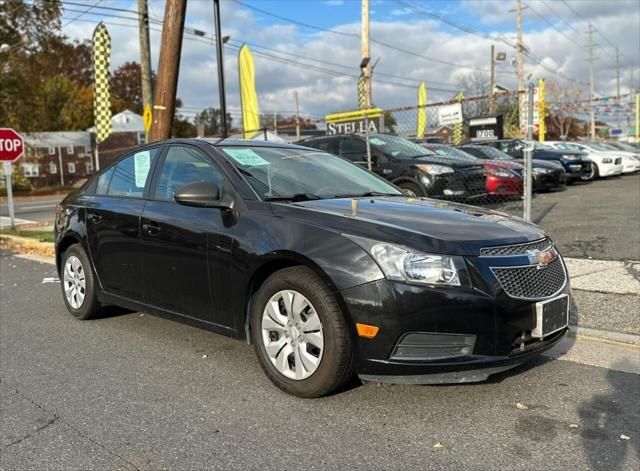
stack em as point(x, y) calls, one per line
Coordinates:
point(210, 118)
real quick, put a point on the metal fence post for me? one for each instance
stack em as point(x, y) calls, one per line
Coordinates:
point(528, 153)
point(366, 122)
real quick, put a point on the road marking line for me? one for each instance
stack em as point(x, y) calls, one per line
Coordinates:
point(6, 221)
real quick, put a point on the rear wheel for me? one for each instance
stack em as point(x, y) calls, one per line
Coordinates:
point(300, 334)
point(78, 285)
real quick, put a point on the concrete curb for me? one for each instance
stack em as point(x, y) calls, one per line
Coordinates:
point(604, 335)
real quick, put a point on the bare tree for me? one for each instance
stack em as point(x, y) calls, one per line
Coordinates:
point(563, 101)
point(475, 83)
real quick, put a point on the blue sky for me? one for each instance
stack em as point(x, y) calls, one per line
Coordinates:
point(554, 33)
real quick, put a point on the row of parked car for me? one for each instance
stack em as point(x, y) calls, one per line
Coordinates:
point(475, 172)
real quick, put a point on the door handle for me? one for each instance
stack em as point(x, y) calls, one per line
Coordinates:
point(95, 218)
point(150, 229)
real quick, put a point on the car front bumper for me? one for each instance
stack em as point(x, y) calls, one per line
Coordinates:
point(470, 334)
point(549, 181)
point(609, 170)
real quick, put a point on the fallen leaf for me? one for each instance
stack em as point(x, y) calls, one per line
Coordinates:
point(573, 425)
point(438, 445)
point(625, 437)
point(521, 406)
point(141, 315)
point(204, 356)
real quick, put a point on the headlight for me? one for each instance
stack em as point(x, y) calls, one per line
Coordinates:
point(501, 172)
point(607, 160)
point(411, 266)
point(570, 157)
point(434, 169)
point(541, 170)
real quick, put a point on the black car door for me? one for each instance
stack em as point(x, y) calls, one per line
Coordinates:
point(187, 249)
point(113, 223)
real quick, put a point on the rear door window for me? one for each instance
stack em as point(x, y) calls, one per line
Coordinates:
point(353, 149)
point(131, 174)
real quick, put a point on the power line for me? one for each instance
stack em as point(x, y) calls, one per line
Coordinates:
point(82, 13)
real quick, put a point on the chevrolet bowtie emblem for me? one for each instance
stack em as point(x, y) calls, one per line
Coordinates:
point(542, 258)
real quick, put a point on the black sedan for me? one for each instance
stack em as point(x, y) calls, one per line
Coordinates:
point(547, 175)
point(326, 268)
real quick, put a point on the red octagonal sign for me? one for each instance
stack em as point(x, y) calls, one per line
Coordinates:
point(11, 145)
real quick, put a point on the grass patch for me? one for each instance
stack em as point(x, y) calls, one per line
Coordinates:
point(41, 236)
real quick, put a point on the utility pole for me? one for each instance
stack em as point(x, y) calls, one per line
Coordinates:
point(145, 53)
point(365, 64)
point(618, 86)
point(592, 127)
point(168, 68)
point(520, 62)
point(275, 123)
point(297, 116)
point(492, 85)
point(220, 53)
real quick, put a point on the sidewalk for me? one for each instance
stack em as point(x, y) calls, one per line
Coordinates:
point(606, 297)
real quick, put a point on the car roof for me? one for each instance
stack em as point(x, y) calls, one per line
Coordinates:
point(219, 142)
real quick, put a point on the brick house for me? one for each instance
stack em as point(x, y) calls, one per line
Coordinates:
point(56, 158)
point(127, 132)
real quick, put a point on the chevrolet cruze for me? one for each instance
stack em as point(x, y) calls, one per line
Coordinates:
point(326, 268)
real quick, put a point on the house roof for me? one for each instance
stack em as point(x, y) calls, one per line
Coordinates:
point(58, 138)
point(126, 121)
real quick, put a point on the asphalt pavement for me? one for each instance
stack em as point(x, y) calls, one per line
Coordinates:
point(30, 210)
point(599, 220)
point(132, 391)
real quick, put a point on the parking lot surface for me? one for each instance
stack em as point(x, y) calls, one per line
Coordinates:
point(597, 220)
point(132, 391)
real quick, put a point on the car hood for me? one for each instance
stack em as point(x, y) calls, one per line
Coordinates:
point(425, 224)
point(510, 164)
point(449, 161)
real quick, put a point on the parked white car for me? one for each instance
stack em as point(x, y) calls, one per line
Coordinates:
point(630, 159)
point(604, 162)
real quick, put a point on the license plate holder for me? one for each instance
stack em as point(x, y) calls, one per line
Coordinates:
point(551, 316)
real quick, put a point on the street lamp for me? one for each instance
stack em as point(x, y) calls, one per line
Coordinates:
point(219, 43)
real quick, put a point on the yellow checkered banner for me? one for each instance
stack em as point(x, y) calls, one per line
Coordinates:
point(101, 48)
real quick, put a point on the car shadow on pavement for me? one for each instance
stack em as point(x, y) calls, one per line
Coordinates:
point(609, 424)
point(112, 311)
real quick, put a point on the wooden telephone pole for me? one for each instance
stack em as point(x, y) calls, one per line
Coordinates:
point(145, 53)
point(168, 68)
point(365, 64)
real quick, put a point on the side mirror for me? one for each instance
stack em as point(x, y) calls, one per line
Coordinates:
point(201, 195)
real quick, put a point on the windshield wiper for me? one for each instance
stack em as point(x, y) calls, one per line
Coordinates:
point(368, 193)
point(296, 197)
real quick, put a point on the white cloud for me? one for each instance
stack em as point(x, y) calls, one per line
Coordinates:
point(321, 93)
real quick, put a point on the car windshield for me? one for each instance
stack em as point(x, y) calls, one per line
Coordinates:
point(495, 154)
point(302, 174)
point(600, 146)
point(451, 152)
point(538, 146)
point(397, 146)
point(625, 146)
point(568, 146)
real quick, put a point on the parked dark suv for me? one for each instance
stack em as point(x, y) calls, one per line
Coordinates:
point(575, 163)
point(410, 166)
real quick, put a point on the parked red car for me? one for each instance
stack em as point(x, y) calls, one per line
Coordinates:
point(503, 178)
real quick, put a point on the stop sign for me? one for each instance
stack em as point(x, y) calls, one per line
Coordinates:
point(11, 145)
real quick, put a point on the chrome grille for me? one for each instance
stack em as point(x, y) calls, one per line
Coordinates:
point(518, 249)
point(532, 282)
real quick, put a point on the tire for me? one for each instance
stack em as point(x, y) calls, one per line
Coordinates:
point(412, 187)
point(324, 369)
point(76, 269)
point(591, 175)
point(596, 171)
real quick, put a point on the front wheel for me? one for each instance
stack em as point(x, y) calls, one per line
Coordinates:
point(413, 189)
point(591, 174)
point(300, 334)
point(78, 284)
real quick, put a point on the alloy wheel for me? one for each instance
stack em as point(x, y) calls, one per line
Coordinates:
point(292, 334)
point(590, 174)
point(74, 282)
